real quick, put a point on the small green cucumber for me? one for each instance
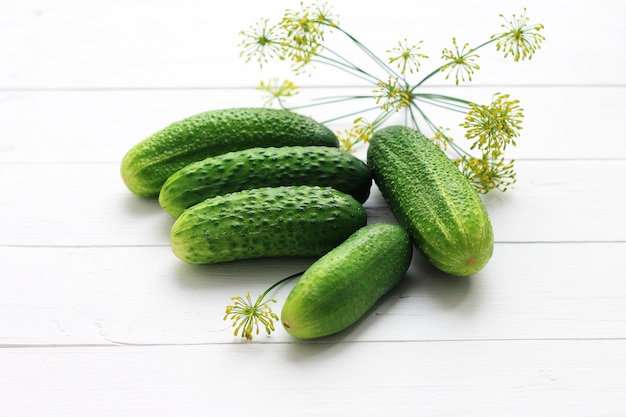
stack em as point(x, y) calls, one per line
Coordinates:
point(341, 286)
point(266, 222)
point(147, 165)
point(432, 199)
point(265, 167)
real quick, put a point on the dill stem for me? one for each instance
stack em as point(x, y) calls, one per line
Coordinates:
point(356, 72)
point(458, 150)
point(331, 100)
point(368, 52)
point(354, 113)
point(276, 284)
point(440, 68)
point(348, 66)
point(445, 102)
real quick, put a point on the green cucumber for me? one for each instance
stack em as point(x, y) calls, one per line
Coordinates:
point(265, 167)
point(266, 222)
point(341, 286)
point(150, 162)
point(432, 199)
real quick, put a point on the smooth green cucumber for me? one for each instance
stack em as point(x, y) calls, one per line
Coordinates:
point(266, 222)
point(432, 199)
point(150, 162)
point(265, 167)
point(341, 286)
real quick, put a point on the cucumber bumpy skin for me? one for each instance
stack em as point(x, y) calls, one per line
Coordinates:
point(265, 167)
point(341, 286)
point(148, 164)
point(432, 199)
point(266, 222)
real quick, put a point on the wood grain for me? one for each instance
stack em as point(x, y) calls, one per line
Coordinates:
point(469, 379)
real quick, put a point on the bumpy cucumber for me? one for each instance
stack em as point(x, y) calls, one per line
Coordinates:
point(149, 163)
point(432, 199)
point(341, 286)
point(266, 222)
point(265, 167)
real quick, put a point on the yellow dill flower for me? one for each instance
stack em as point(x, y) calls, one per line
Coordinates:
point(346, 140)
point(495, 126)
point(360, 132)
point(322, 13)
point(303, 33)
point(407, 57)
point(260, 42)
point(460, 62)
point(487, 173)
point(248, 317)
point(276, 91)
point(392, 95)
point(441, 139)
point(299, 39)
point(520, 39)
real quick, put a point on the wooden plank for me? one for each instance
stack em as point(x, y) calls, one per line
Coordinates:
point(101, 126)
point(471, 379)
point(98, 318)
point(145, 296)
point(196, 44)
point(88, 204)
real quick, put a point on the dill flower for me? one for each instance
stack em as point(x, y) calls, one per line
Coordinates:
point(246, 316)
point(487, 173)
point(461, 62)
point(360, 132)
point(392, 95)
point(521, 39)
point(494, 126)
point(322, 14)
point(301, 35)
point(348, 138)
point(441, 139)
point(407, 56)
point(249, 317)
point(261, 41)
point(276, 91)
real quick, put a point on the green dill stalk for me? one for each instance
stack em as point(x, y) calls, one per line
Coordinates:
point(300, 38)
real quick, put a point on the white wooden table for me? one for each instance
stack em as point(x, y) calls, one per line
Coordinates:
point(98, 318)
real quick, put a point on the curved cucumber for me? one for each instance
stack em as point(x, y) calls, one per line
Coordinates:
point(266, 222)
point(432, 199)
point(341, 286)
point(149, 163)
point(265, 167)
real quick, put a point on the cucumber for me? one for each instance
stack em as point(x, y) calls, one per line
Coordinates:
point(266, 222)
point(265, 167)
point(341, 286)
point(432, 199)
point(147, 165)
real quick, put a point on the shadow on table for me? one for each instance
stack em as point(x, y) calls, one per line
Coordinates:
point(240, 276)
point(422, 284)
point(447, 290)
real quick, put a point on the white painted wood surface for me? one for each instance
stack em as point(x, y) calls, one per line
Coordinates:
point(98, 318)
